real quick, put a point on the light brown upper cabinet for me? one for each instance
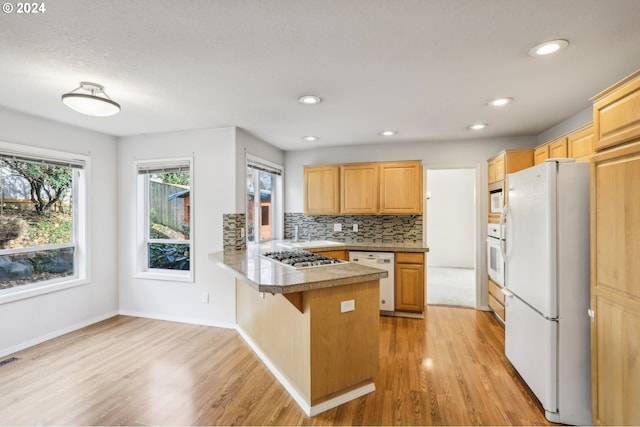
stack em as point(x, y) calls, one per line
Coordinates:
point(558, 148)
point(541, 154)
point(401, 188)
point(322, 190)
point(359, 188)
point(580, 143)
point(364, 189)
point(616, 113)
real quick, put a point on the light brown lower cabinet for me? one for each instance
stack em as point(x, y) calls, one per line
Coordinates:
point(496, 299)
point(409, 278)
point(615, 286)
point(341, 254)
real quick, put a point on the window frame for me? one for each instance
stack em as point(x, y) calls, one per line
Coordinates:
point(80, 214)
point(277, 203)
point(143, 223)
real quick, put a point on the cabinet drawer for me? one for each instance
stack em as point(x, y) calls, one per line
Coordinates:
point(341, 254)
point(616, 113)
point(494, 290)
point(496, 306)
point(410, 258)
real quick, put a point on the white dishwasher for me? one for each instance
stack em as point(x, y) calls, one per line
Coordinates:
point(383, 261)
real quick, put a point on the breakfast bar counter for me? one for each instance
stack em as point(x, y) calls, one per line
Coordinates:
point(315, 328)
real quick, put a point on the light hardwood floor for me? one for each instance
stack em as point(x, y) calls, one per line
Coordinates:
point(448, 369)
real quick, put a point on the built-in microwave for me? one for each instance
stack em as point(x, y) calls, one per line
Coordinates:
point(496, 201)
point(495, 261)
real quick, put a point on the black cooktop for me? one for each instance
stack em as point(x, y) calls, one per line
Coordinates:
point(301, 259)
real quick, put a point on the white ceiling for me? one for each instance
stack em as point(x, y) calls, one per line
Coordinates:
point(425, 68)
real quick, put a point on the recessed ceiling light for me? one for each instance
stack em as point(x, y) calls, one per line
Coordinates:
point(499, 102)
point(310, 138)
point(549, 47)
point(478, 126)
point(309, 99)
point(388, 132)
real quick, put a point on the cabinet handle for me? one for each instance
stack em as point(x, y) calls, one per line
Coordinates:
point(384, 302)
point(592, 314)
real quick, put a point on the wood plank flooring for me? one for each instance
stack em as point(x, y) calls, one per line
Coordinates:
point(448, 369)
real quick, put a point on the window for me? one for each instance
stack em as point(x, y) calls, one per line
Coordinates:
point(42, 221)
point(166, 224)
point(264, 186)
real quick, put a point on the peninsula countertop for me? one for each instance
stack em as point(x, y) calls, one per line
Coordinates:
point(266, 275)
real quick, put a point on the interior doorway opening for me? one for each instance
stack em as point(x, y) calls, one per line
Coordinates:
point(451, 237)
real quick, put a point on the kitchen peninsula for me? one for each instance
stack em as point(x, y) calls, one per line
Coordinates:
point(315, 328)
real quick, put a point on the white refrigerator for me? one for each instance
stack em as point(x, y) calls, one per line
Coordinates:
point(546, 251)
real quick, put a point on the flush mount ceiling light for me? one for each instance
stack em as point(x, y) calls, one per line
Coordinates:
point(309, 99)
point(90, 99)
point(310, 138)
point(388, 132)
point(549, 47)
point(478, 126)
point(499, 102)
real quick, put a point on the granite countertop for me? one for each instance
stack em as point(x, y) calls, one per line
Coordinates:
point(266, 275)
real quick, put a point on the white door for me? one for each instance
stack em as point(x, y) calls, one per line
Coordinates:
point(530, 254)
point(531, 344)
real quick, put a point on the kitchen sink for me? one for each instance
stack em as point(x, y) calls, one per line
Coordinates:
point(311, 244)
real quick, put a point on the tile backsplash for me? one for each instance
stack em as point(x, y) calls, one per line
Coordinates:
point(232, 232)
point(371, 228)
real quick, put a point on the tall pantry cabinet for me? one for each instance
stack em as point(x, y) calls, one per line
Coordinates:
point(615, 255)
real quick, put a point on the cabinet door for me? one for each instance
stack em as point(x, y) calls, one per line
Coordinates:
point(401, 188)
point(616, 113)
point(409, 292)
point(541, 154)
point(580, 143)
point(558, 148)
point(491, 168)
point(321, 190)
point(500, 167)
point(615, 286)
point(359, 189)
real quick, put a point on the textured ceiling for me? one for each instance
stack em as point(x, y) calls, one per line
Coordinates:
point(425, 68)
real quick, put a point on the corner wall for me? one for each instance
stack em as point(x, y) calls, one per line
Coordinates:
point(29, 321)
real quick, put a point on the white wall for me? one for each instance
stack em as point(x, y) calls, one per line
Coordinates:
point(30, 321)
point(451, 218)
point(572, 123)
point(218, 188)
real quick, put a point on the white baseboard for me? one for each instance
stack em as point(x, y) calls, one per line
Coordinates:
point(310, 410)
point(179, 319)
point(60, 332)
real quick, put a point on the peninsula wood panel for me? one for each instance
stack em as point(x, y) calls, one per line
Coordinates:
point(401, 188)
point(344, 346)
point(615, 285)
point(359, 188)
point(321, 190)
point(616, 113)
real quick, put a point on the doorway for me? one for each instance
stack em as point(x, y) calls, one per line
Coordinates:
point(451, 231)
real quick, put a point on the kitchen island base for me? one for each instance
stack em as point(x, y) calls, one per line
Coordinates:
point(322, 351)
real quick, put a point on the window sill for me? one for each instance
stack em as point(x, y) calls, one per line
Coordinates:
point(35, 289)
point(168, 275)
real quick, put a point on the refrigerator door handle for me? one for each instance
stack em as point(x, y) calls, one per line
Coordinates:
point(506, 292)
point(592, 314)
point(503, 237)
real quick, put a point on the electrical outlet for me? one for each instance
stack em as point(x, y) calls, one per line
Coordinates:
point(349, 305)
point(337, 227)
point(205, 297)
point(355, 227)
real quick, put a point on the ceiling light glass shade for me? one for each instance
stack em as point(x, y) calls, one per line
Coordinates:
point(478, 126)
point(310, 138)
point(388, 132)
point(499, 102)
point(309, 99)
point(549, 47)
point(90, 99)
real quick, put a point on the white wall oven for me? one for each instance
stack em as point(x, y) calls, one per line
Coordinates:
point(495, 261)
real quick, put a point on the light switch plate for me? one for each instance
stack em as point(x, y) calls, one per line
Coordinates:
point(337, 227)
point(355, 227)
point(349, 305)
